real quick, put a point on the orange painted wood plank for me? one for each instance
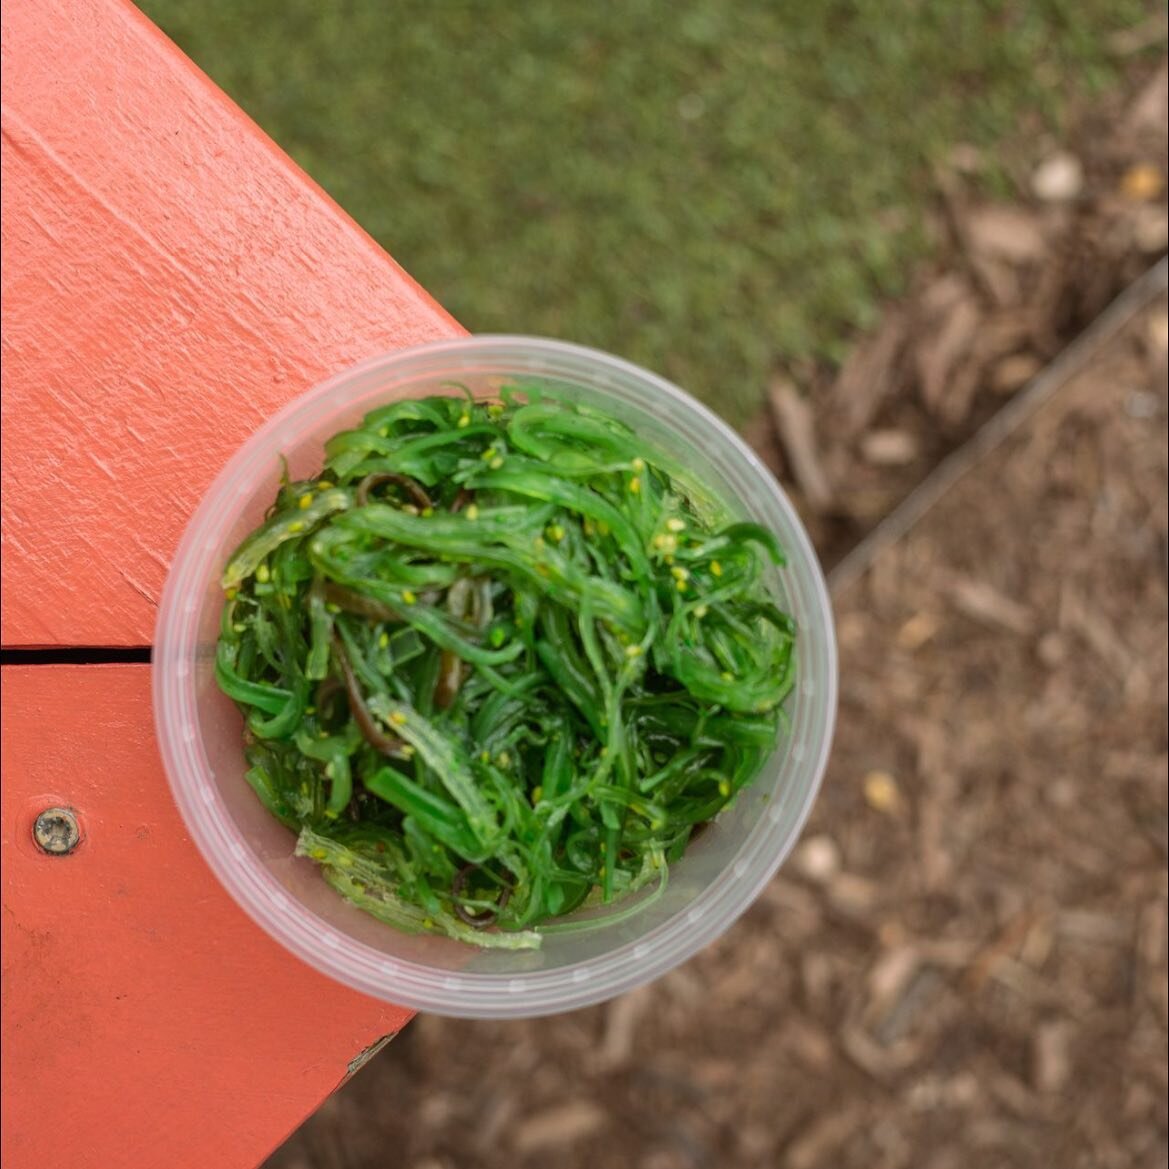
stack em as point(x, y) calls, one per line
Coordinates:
point(146, 1021)
point(170, 279)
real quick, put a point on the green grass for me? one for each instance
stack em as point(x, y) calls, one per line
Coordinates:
point(707, 187)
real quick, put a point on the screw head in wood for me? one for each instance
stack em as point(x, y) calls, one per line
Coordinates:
point(56, 831)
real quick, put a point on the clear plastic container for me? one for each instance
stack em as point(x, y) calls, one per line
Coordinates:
point(199, 730)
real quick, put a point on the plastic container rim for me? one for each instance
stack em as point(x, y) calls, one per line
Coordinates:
point(296, 927)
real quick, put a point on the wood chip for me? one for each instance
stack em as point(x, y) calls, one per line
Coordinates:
point(1051, 1064)
point(878, 1060)
point(853, 895)
point(1014, 371)
point(1093, 627)
point(494, 1117)
point(986, 963)
point(1152, 936)
point(1011, 1091)
point(1002, 243)
point(889, 448)
point(868, 376)
point(1150, 228)
point(1157, 333)
point(915, 632)
point(797, 432)
point(888, 979)
point(983, 603)
point(1093, 928)
point(1005, 231)
point(1037, 944)
point(808, 1043)
point(949, 327)
point(621, 1019)
point(556, 1127)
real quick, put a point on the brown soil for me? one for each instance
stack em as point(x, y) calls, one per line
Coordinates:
point(964, 962)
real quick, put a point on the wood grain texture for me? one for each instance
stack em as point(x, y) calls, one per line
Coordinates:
point(170, 279)
point(146, 1021)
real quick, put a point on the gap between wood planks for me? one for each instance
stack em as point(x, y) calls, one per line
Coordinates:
point(1135, 298)
point(92, 655)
